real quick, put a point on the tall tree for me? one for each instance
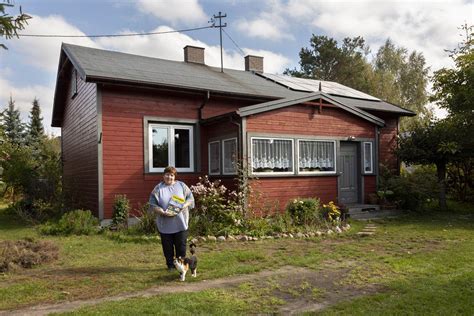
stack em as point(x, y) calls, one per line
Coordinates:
point(35, 126)
point(402, 78)
point(14, 128)
point(393, 75)
point(11, 24)
point(326, 60)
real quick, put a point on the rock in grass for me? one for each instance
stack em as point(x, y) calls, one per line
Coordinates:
point(230, 238)
point(300, 235)
point(243, 238)
point(211, 238)
point(221, 238)
point(202, 238)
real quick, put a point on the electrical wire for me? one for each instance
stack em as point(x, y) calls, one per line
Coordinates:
point(117, 35)
point(243, 53)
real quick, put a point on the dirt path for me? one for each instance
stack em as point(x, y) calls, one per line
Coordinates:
point(288, 278)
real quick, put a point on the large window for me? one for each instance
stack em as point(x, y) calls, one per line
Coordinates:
point(214, 158)
point(272, 155)
point(368, 161)
point(170, 145)
point(229, 154)
point(315, 156)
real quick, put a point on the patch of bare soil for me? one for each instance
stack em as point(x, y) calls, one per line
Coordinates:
point(302, 289)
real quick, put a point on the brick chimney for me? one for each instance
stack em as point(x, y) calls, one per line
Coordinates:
point(193, 54)
point(253, 63)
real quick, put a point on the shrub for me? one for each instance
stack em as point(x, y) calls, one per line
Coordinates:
point(78, 222)
point(121, 210)
point(146, 221)
point(304, 211)
point(25, 254)
point(217, 210)
point(413, 190)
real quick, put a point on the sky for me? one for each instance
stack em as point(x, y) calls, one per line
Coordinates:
point(274, 29)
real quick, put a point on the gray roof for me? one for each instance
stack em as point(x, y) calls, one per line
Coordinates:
point(373, 105)
point(278, 104)
point(97, 65)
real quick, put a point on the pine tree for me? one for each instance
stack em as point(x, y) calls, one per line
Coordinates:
point(14, 128)
point(35, 126)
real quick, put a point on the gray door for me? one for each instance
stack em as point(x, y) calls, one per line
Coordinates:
point(349, 178)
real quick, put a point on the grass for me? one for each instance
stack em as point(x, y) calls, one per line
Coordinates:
point(419, 264)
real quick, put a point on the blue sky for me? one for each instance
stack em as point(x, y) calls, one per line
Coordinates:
point(275, 29)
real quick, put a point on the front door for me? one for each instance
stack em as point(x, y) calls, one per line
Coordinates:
point(349, 179)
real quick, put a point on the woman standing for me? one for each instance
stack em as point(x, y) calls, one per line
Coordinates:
point(171, 200)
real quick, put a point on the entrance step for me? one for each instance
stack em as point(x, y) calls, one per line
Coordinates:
point(369, 211)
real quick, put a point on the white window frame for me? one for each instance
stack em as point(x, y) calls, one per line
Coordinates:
point(209, 157)
point(315, 172)
point(371, 157)
point(273, 173)
point(223, 155)
point(171, 153)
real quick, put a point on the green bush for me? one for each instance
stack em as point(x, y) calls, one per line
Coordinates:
point(217, 211)
point(304, 211)
point(121, 211)
point(146, 221)
point(413, 190)
point(77, 222)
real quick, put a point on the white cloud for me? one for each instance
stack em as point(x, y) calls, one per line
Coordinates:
point(175, 11)
point(44, 52)
point(270, 24)
point(170, 46)
point(427, 26)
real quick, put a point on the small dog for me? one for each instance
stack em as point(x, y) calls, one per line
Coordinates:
point(185, 264)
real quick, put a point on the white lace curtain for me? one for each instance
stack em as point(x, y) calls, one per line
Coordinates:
point(272, 153)
point(316, 154)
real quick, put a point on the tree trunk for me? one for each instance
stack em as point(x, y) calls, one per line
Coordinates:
point(441, 170)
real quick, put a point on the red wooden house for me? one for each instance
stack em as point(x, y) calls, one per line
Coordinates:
point(125, 117)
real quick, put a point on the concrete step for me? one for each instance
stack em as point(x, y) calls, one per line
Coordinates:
point(375, 214)
point(358, 208)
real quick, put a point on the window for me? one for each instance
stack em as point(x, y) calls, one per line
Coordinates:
point(214, 158)
point(229, 154)
point(170, 145)
point(272, 155)
point(74, 83)
point(368, 162)
point(315, 156)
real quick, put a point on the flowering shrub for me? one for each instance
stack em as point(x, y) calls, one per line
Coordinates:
point(304, 211)
point(218, 210)
point(331, 212)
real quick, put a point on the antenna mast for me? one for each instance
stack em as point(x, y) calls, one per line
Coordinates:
point(220, 26)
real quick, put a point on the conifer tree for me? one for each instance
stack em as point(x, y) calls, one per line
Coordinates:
point(13, 127)
point(35, 126)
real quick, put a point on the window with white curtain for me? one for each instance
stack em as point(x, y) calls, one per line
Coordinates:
point(315, 156)
point(272, 155)
point(229, 154)
point(215, 157)
point(368, 162)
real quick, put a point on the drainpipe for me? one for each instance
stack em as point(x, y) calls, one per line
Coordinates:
point(204, 102)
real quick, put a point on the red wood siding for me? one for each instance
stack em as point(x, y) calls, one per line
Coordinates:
point(273, 194)
point(305, 120)
point(388, 141)
point(79, 147)
point(123, 110)
point(370, 186)
point(220, 130)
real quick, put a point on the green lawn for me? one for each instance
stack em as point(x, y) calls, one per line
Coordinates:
point(413, 265)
